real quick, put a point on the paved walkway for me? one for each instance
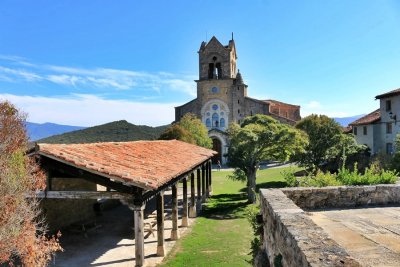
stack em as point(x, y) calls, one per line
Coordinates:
point(370, 235)
point(112, 244)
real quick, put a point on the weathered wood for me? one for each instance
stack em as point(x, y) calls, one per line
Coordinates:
point(209, 177)
point(198, 191)
point(82, 195)
point(203, 183)
point(139, 235)
point(160, 224)
point(207, 180)
point(174, 231)
point(192, 207)
point(48, 180)
point(185, 219)
point(53, 165)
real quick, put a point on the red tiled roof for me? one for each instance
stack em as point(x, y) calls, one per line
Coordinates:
point(367, 119)
point(347, 129)
point(389, 94)
point(145, 164)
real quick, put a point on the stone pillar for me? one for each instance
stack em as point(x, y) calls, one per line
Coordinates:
point(185, 219)
point(192, 208)
point(174, 231)
point(139, 235)
point(160, 224)
point(209, 177)
point(198, 190)
point(203, 183)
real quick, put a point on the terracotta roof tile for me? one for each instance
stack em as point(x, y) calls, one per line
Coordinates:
point(389, 94)
point(368, 119)
point(145, 164)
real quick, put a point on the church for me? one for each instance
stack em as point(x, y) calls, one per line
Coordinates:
point(222, 96)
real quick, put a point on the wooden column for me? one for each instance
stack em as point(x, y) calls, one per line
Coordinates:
point(48, 181)
point(160, 224)
point(203, 183)
point(174, 231)
point(139, 235)
point(192, 207)
point(207, 180)
point(209, 176)
point(185, 219)
point(198, 190)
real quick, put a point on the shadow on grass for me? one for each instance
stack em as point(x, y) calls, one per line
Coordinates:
point(225, 207)
point(272, 184)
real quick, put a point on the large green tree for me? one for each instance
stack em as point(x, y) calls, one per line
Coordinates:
point(257, 139)
point(189, 129)
point(326, 142)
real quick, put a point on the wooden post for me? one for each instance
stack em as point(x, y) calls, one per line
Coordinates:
point(207, 180)
point(174, 231)
point(139, 235)
point(160, 224)
point(185, 220)
point(203, 182)
point(192, 208)
point(209, 177)
point(49, 186)
point(198, 190)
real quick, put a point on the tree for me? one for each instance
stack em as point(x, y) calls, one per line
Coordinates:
point(22, 234)
point(189, 129)
point(323, 133)
point(257, 139)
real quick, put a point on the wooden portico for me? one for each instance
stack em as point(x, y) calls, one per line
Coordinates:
point(133, 172)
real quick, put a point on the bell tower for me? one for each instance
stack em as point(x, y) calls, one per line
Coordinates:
point(217, 61)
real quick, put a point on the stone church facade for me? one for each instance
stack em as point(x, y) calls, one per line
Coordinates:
point(222, 96)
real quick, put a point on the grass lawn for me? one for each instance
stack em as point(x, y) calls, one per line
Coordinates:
point(222, 235)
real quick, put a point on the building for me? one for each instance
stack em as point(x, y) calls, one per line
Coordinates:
point(379, 128)
point(222, 96)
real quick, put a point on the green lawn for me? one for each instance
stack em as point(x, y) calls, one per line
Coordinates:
point(222, 235)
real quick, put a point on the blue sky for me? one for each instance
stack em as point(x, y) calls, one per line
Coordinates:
point(91, 62)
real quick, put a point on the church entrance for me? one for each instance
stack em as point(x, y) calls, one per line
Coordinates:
point(217, 147)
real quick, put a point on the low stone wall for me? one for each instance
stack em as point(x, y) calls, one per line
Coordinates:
point(343, 196)
point(291, 238)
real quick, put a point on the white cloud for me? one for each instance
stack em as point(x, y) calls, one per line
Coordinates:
point(89, 110)
point(107, 78)
point(313, 104)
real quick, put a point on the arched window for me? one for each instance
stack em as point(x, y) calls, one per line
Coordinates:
point(208, 122)
point(215, 120)
point(222, 122)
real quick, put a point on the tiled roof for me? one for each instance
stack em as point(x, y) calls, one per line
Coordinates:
point(347, 129)
point(368, 119)
point(389, 94)
point(145, 164)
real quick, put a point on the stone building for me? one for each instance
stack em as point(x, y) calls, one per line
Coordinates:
point(222, 96)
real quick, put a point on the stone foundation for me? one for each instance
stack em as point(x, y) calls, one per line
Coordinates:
point(291, 238)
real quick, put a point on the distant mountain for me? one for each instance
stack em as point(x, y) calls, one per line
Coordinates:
point(42, 130)
point(117, 131)
point(344, 121)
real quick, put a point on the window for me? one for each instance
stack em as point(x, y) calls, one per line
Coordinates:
point(238, 111)
point(215, 119)
point(388, 105)
point(238, 101)
point(355, 130)
point(215, 90)
point(389, 148)
point(365, 130)
point(389, 128)
point(215, 107)
point(222, 122)
point(208, 122)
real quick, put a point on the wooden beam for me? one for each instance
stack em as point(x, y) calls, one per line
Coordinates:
point(209, 177)
point(174, 231)
point(192, 208)
point(160, 224)
point(207, 181)
point(53, 165)
point(185, 219)
point(139, 235)
point(82, 195)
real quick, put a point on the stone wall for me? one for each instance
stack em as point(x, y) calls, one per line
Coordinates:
point(60, 213)
point(343, 196)
point(291, 238)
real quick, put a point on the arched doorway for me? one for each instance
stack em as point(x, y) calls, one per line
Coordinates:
point(217, 147)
